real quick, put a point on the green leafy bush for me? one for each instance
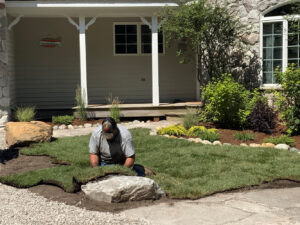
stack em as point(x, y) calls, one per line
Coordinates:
point(25, 114)
point(62, 119)
point(289, 98)
point(178, 130)
point(203, 133)
point(191, 118)
point(80, 112)
point(226, 103)
point(244, 136)
point(283, 139)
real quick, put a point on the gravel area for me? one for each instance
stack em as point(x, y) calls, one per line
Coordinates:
point(19, 206)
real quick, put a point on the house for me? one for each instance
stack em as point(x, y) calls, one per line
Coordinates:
point(115, 46)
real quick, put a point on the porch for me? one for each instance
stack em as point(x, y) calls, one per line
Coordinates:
point(168, 110)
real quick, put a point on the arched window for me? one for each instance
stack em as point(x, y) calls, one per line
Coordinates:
point(280, 41)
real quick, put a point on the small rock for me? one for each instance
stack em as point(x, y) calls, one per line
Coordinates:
point(55, 127)
point(172, 136)
point(75, 126)
point(87, 125)
point(243, 145)
point(136, 122)
point(166, 135)
point(148, 121)
point(182, 138)
point(158, 128)
point(80, 126)
point(255, 145)
point(191, 139)
point(153, 132)
point(62, 127)
point(217, 143)
point(143, 122)
point(197, 140)
point(294, 150)
point(70, 127)
point(206, 142)
point(227, 144)
point(282, 146)
point(267, 145)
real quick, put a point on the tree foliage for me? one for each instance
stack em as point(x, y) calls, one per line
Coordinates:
point(209, 31)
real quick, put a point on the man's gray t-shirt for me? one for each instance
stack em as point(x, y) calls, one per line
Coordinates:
point(114, 152)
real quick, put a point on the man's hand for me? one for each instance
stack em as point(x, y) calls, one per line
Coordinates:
point(129, 161)
point(94, 160)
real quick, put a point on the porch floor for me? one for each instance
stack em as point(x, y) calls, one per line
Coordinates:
point(143, 109)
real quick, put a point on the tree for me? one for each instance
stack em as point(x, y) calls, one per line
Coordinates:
point(208, 31)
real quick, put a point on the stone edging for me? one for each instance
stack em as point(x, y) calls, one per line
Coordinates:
point(253, 145)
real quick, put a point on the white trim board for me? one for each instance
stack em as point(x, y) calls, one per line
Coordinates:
point(85, 5)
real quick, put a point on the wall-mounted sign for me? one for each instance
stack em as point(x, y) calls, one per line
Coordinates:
point(50, 42)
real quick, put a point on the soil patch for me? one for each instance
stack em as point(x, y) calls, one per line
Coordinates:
point(79, 199)
point(24, 163)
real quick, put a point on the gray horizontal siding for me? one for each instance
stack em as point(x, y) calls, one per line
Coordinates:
point(48, 77)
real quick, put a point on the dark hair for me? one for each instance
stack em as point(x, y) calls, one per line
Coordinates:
point(111, 120)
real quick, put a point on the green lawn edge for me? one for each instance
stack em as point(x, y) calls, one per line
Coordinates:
point(183, 169)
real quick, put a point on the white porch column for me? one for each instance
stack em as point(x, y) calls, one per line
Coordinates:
point(155, 74)
point(82, 47)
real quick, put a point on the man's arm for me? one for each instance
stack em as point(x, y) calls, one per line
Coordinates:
point(129, 161)
point(94, 160)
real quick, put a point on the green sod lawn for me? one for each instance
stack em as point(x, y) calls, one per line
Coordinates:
point(183, 169)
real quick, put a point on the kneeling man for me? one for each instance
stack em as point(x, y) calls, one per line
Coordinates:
point(111, 144)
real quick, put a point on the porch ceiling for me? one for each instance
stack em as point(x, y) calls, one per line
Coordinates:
point(87, 9)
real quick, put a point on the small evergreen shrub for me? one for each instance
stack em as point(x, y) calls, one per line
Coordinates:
point(244, 136)
point(262, 117)
point(62, 119)
point(283, 139)
point(178, 130)
point(289, 98)
point(203, 133)
point(191, 118)
point(226, 103)
point(80, 110)
point(25, 114)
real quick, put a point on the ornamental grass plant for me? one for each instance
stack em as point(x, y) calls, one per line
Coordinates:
point(25, 114)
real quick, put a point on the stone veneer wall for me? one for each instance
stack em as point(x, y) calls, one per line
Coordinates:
point(4, 79)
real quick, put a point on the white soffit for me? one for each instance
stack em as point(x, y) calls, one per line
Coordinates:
point(73, 9)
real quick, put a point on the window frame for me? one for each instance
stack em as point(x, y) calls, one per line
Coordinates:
point(139, 41)
point(274, 19)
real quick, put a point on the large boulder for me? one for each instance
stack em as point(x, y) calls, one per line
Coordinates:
point(122, 188)
point(25, 133)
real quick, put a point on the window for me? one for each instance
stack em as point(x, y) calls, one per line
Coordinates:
point(126, 39)
point(280, 43)
point(272, 50)
point(135, 39)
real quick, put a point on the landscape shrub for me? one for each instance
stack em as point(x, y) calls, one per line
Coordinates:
point(289, 98)
point(203, 133)
point(178, 130)
point(283, 139)
point(244, 136)
point(191, 118)
point(226, 103)
point(63, 119)
point(80, 111)
point(114, 110)
point(25, 114)
point(263, 117)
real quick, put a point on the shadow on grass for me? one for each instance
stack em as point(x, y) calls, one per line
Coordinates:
point(8, 154)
